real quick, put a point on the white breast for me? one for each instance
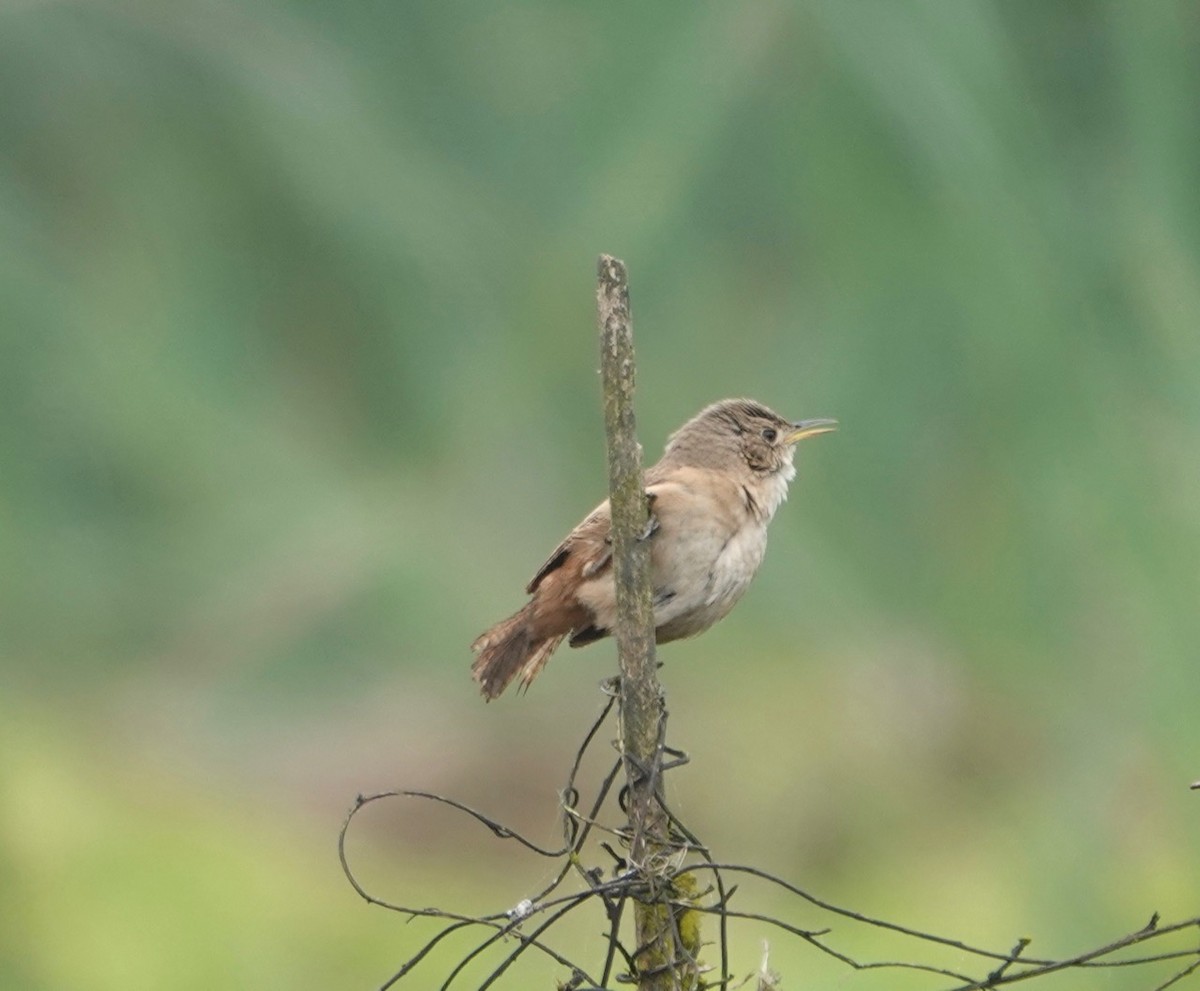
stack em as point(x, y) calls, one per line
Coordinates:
point(736, 565)
point(772, 492)
point(711, 542)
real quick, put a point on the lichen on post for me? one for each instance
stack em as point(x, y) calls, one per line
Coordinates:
point(664, 961)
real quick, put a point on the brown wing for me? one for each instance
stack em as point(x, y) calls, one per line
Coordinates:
point(591, 539)
point(588, 542)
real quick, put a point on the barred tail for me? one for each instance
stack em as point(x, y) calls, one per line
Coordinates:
point(510, 649)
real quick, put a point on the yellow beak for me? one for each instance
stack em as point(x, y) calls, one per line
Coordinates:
point(809, 428)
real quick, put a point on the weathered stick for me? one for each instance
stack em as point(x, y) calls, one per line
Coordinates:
point(661, 962)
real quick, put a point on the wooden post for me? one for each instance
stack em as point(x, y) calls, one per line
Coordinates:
point(661, 963)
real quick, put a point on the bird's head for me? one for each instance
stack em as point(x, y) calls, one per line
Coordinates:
point(744, 436)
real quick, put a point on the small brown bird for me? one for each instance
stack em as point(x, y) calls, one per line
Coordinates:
point(712, 494)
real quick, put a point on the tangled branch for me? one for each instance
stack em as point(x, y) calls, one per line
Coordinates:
point(673, 881)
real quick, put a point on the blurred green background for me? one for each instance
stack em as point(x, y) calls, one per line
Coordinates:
point(298, 387)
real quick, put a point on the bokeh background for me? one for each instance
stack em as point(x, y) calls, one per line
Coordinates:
point(298, 387)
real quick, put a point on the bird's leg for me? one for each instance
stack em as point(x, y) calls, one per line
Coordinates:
point(650, 529)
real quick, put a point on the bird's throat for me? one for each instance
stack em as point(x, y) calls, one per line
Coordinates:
point(768, 492)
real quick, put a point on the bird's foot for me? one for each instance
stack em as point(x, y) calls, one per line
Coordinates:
point(650, 529)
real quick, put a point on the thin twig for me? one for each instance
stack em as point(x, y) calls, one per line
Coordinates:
point(685, 852)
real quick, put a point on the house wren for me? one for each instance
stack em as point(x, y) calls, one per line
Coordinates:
point(711, 496)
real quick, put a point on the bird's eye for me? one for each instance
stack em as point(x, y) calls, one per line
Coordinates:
point(769, 434)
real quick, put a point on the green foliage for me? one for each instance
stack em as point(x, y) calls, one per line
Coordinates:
point(297, 386)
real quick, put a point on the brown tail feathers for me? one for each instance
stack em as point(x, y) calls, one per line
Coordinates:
point(510, 649)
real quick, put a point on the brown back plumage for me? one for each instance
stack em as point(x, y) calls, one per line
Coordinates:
point(736, 452)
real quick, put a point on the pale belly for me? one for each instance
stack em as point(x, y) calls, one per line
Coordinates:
point(702, 559)
point(712, 591)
